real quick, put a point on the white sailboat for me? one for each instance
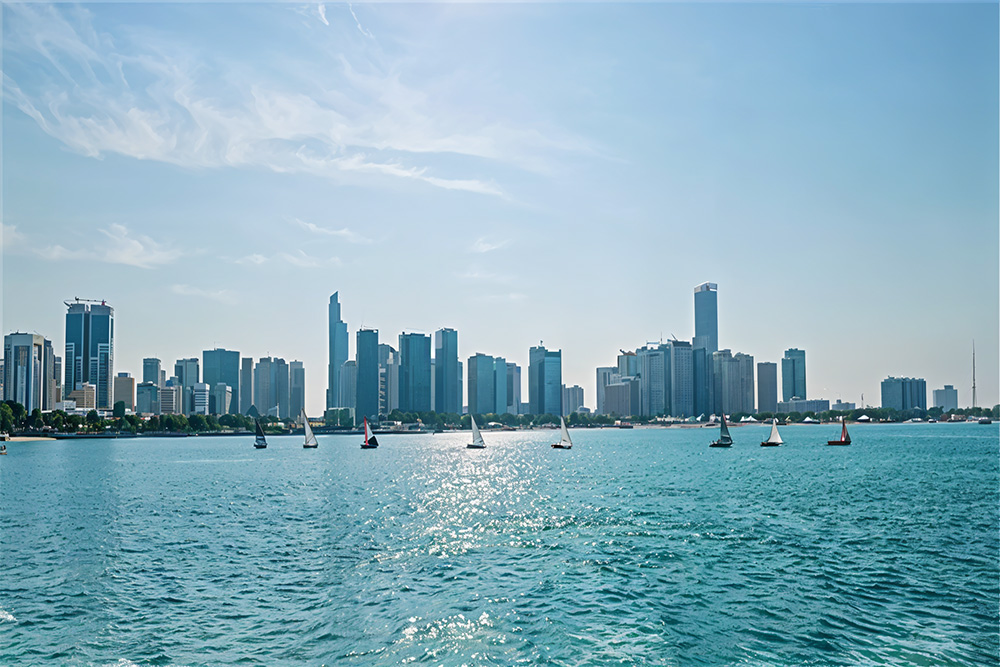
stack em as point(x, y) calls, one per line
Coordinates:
point(371, 442)
point(725, 440)
point(564, 441)
point(477, 437)
point(310, 442)
point(774, 439)
point(259, 442)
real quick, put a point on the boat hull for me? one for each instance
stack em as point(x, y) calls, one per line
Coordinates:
point(721, 444)
point(770, 444)
point(838, 442)
point(260, 446)
point(369, 446)
point(558, 446)
point(475, 446)
point(309, 446)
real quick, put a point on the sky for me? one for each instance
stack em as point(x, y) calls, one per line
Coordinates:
point(563, 173)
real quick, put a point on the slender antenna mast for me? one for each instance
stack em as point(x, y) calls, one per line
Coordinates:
point(973, 373)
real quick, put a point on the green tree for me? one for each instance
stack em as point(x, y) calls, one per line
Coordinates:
point(93, 420)
point(19, 414)
point(35, 421)
point(6, 419)
point(198, 423)
point(118, 411)
point(152, 424)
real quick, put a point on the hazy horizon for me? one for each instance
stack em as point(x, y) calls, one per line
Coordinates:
point(517, 172)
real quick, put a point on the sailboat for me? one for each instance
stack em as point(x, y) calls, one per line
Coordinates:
point(370, 441)
point(724, 438)
point(564, 441)
point(774, 439)
point(477, 437)
point(310, 442)
point(844, 438)
point(259, 442)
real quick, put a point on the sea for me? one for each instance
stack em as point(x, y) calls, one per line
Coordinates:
point(635, 547)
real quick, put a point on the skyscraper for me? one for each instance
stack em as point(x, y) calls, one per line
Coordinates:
point(414, 372)
point(246, 384)
point(151, 370)
point(186, 371)
point(544, 381)
point(222, 366)
point(388, 379)
point(767, 386)
point(513, 388)
point(28, 366)
point(605, 375)
point(680, 385)
point(793, 374)
point(482, 388)
point(349, 383)
point(338, 353)
point(366, 346)
point(572, 398)
point(904, 393)
point(746, 382)
point(706, 316)
point(653, 381)
point(90, 349)
point(296, 389)
point(447, 377)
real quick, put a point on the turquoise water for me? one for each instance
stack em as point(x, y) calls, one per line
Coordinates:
point(635, 547)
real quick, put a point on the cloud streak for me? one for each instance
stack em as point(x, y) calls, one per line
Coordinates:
point(222, 295)
point(343, 233)
point(119, 246)
point(484, 245)
point(359, 120)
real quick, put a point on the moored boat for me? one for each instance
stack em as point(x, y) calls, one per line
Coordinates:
point(371, 442)
point(773, 440)
point(477, 437)
point(564, 441)
point(725, 440)
point(260, 442)
point(845, 439)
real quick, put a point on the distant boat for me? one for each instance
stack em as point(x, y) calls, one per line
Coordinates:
point(564, 441)
point(477, 437)
point(725, 440)
point(985, 420)
point(260, 442)
point(310, 442)
point(3, 450)
point(370, 441)
point(774, 439)
point(844, 438)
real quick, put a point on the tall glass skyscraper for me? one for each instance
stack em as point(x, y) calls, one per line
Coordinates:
point(706, 316)
point(223, 366)
point(544, 381)
point(151, 370)
point(414, 372)
point(793, 375)
point(447, 376)
point(296, 389)
point(366, 347)
point(90, 349)
point(338, 354)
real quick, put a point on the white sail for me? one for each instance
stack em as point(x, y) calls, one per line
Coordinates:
point(310, 438)
point(565, 433)
point(477, 438)
point(774, 438)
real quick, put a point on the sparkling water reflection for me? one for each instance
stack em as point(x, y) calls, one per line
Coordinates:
point(635, 547)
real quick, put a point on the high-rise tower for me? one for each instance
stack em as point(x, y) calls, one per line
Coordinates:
point(90, 348)
point(366, 346)
point(338, 353)
point(447, 377)
point(706, 316)
point(793, 374)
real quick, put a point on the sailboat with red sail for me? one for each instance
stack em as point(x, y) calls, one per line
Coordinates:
point(845, 439)
point(370, 441)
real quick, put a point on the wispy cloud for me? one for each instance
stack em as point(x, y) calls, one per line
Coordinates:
point(119, 246)
point(357, 22)
point(484, 276)
point(484, 244)
point(360, 119)
point(299, 258)
point(222, 295)
point(321, 10)
point(253, 259)
point(343, 233)
point(9, 236)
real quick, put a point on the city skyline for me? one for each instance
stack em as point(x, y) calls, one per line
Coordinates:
point(488, 200)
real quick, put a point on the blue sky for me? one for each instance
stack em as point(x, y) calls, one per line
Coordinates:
point(520, 172)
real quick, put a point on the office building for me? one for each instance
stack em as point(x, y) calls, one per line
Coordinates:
point(572, 399)
point(388, 379)
point(151, 370)
point(220, 394)
point(85, 397)
point(605, 375)
point(223, 366)
point(270, 383)
point(170, 396)
point(767, 386)
point(147, 398)
point(90, 356)
point(366, 401)
point(703, 379)
point(188, 373)
point(652, 373)
point(200, 396)
point(946, 399)
point(513, 388)
point(28, 370)
point(447, 376)
point(904, 393)
point(746, 382)
point(706, 317)
point(733, 382)
point(621, 399)
point(481, 383)
point(296, 389)
point(246, 385)
point(793, 374)
point(349, 383)
point(338, 354)
point(414, 372)
point(816, 405)
point(124, 390)
point(628, 364)
point(544, 381)
point(843, 407)
point(679, 398)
